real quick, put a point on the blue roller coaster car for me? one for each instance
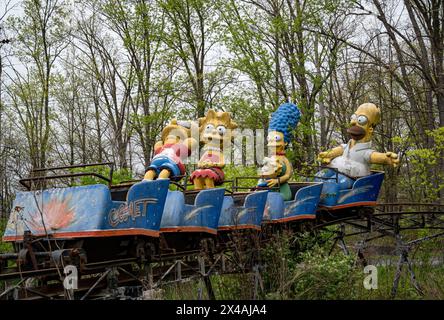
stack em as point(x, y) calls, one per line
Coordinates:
point(364, 192)
point(201, 216)
point(306, 196)
point(88, 211)
point(243, 211)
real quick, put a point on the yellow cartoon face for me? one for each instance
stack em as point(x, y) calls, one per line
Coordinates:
point(175, 132)
point(275, 141)
point(363, 121)
point(216, 127)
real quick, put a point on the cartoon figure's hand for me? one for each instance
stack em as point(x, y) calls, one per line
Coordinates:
point(205, 164)
point(272, 182)
point(392, 159)
point(324, 158)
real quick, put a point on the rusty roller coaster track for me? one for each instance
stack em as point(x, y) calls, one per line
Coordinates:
point(236, 252)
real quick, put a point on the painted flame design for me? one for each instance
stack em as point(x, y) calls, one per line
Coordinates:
point(57, 214)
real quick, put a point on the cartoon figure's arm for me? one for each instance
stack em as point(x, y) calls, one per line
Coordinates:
point(326, 156)
point(203, 164)
point(191, 143)
point(388, 158)
point(158, 145)
point(283, 179)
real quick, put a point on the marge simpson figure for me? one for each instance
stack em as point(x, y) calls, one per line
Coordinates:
point(176, 145)
point(216, 131)
point(354, 158)
point(283, 121)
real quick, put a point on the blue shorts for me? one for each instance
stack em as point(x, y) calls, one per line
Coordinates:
point(161, 162)
point(343, 181)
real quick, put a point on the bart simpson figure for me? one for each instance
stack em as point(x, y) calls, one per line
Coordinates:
point(215, 132)
point(354, 158)
point(282, 123)
point(176, 145)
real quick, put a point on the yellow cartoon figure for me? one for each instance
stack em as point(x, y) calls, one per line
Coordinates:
point(176, 145)
point(282, 124)
point(354, 158)
point(216, 131)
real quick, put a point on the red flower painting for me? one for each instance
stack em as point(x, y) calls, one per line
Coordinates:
point(57, 214)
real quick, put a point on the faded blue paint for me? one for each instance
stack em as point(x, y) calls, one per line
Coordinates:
point(204, 213)
point(249, 214)
point(365, 189)
point(143, 208)
point(305, 202)
point(275, 206)
point(63, 210)
point(330, 193)
point(86, 208)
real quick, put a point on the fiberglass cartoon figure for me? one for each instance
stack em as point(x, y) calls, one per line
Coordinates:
point(282, 123)
point(216, 131)
point(353, 159)
point(176, 145)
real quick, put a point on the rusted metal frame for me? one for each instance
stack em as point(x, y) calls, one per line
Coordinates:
point(179, 274)
point(379, 223)
point(318, 168)
point(87, 267)
point(212, 266)
point(403, 259)
point(95, 284)
point(209, 287)
point(411, 204)
point(410, 222)
point(375, 237)
point(418, 228)
point(174, 256)
point(396, 213)
point(24, 181)
point(359, 226)
point(4, 293)
point(177, 266)
point(206, 278)
point(236, 182)
point(383, 222)
point(333, 245)
point(185, 279)
point(252, 188)
point(29, 273)
point(417, 241)
point(40, 178)
point(341, 241)
point(414, 220)
point(74, 166)
point(108, 263)
point(234, 261)
point(43, 295)
point(165, 274)
point(232, 186)
point(129, 274)
point(355, 233)
point(333, 222)
point(179, 271)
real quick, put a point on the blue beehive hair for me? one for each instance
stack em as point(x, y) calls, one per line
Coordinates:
point(285, 119)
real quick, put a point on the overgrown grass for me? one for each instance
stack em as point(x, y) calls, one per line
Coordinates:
point(298, 267)
point(119, 175)
point(4, 246)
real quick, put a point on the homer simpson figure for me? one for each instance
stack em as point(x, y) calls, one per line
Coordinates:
point(353, 159)
point(176, 145)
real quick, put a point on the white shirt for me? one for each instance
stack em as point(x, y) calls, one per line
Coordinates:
point(354, 162)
